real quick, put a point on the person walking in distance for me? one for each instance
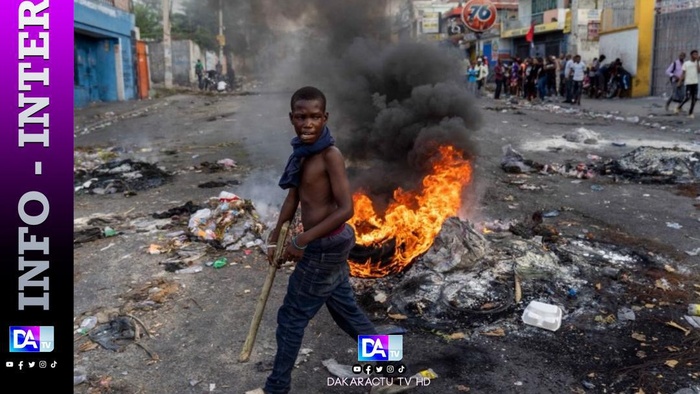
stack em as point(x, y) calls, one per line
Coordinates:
point(690, 78)
point(316, 180)
point(500, 78)
point(674, 72)
point(199, 71)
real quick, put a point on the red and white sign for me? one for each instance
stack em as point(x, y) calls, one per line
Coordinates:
point(479, 15)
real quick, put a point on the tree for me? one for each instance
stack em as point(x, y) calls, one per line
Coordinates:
point(148, 20)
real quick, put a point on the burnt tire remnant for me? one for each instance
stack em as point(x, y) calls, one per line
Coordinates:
point(375, 260)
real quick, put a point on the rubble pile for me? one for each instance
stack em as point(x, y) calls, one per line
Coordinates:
point(514, 162)
point(658, 165)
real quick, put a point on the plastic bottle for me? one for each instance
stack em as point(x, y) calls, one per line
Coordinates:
point(220, 262)
point(87, 324)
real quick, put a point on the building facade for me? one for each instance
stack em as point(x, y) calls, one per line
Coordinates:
point(676, 31)
point(627, 33)
point(104, 65)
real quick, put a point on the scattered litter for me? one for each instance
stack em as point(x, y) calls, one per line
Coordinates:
point(107, 247)
point(673, 324)
point(514, 163)
point(693, 320)
point(674, 225)
point(625, 314)
point(639, 337)
point(542, 315)
point(187, 209)
point(657, 165)
point(87, 324)
point(114, 334)
point(230, 221)
point(662, 284)
point(597, 188)
point(619, 144)
point(694, 309)
point(190, 270)
point(227, 163)
point(496, 332)
point(550, 214)
point(116, 176)
point(588, 385)
point(303, 356)
point(581, 134)
point(380, 297)
point(339, 370)
point(693, 252)
point(220, 262)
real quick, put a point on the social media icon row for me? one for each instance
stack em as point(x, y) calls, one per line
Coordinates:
point(378, 368)
point(30, 364)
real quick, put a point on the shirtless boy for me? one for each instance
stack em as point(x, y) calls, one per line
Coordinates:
point(315, 177)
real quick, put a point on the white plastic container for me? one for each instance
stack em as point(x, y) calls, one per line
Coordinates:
point(542, 315)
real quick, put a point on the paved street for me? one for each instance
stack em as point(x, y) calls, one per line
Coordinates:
point(199, 321)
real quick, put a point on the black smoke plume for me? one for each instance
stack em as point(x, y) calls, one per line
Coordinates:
point(391, 101)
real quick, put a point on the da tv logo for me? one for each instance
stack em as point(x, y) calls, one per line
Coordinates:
point(379, 348)
point(25, 339)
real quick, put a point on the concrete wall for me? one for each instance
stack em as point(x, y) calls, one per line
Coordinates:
point(617, 34)
point(624, 45)
point(184, 54)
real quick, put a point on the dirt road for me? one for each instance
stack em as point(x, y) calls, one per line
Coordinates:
point(197, 323)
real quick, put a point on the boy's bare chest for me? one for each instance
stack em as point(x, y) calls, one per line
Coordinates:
point(313, 168)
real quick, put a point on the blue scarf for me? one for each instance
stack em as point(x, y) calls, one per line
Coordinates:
point(292, 172)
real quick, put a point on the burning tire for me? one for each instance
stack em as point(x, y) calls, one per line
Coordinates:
point(374, 261)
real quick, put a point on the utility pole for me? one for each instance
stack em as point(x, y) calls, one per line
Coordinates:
point(574, 28)
point(167, 46)
point(221, 32)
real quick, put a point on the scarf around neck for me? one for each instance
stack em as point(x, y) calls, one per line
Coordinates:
point(292, 172)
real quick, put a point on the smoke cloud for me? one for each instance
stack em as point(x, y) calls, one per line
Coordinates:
point(390, 103)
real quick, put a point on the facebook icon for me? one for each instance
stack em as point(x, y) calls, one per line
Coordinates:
point(379, 348)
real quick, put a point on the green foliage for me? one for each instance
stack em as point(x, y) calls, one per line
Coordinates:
point(148, 20)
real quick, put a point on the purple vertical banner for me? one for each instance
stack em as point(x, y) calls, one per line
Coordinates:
point(36, 153)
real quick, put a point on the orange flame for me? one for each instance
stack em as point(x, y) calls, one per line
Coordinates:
point(413, 219)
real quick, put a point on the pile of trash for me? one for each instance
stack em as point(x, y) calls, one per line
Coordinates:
point(658, 165)
point(230, 221)
point(468, 278)
point(514, 162)
point(101, 171)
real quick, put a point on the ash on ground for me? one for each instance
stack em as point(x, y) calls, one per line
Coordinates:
point(102, 171)
point(468, 279)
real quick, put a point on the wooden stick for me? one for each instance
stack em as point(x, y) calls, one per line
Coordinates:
point(262, 300)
